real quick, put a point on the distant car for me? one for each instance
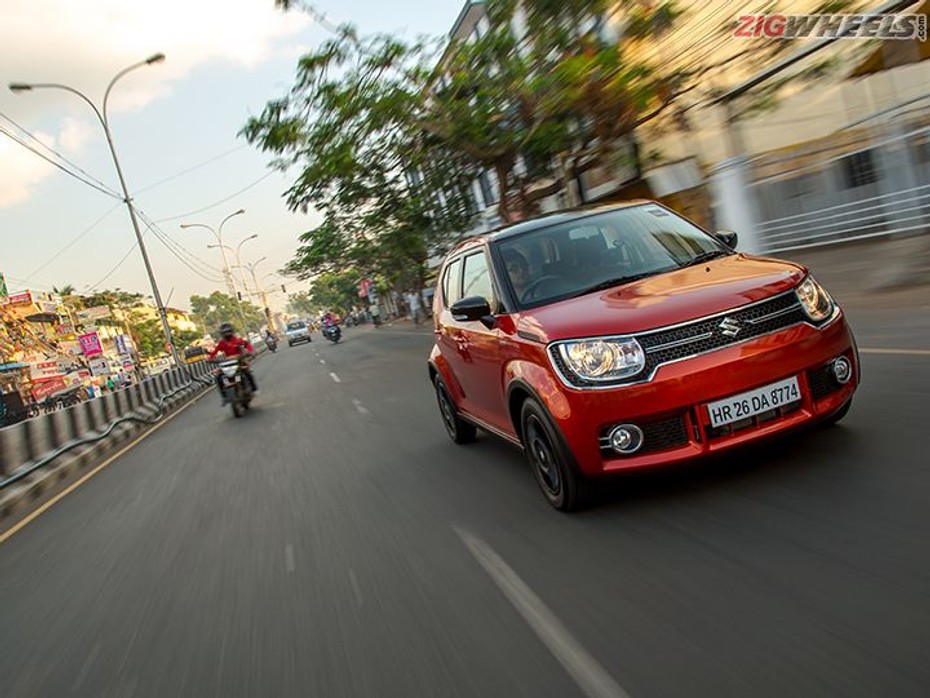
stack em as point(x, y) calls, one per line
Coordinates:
point(297, 331)
point(623, 337)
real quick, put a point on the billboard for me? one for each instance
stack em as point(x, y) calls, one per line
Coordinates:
point(95, 313)
point(90, 344)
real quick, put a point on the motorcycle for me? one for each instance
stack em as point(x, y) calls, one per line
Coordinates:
point(272, 344)
point(332, 333)
point(236, 386)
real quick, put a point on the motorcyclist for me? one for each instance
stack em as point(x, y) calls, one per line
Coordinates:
point(233, 347)
point(270, 337)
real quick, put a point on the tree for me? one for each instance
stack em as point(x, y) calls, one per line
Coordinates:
point(336, 292)
point(149, 337)
point(301, 304)
point(213, 310)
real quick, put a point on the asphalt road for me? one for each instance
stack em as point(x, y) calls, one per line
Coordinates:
point(335, 543)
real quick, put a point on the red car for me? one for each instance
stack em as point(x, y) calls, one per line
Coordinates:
point(624, 336)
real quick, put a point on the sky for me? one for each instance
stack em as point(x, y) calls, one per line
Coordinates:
point(174, 126)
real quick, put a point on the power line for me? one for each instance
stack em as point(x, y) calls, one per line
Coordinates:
point(217, 203)
point(192, 169)
point(179, 250)
point(73, 242)
point(108, 192)
point(55, 152)
point(113, 270)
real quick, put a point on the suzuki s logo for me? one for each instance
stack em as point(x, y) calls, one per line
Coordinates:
point(729, 327)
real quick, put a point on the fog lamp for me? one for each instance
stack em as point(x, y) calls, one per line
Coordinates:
point(626, 438)
point(842, 370)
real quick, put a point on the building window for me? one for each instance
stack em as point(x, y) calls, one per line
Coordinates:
point(859, 169)
point(487, 191)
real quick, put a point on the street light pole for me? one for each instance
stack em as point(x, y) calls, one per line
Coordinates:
point(104, 121)
point(239, 262)
point(227, 274)
point(260, 290)
point(218, 234)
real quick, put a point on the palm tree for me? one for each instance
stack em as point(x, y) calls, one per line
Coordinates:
point(66, 290)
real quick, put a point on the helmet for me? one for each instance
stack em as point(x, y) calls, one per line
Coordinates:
point(227, 331)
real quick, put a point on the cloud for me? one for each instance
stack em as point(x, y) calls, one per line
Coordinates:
point(83, 44)
point(27, 170)
point(75, 133)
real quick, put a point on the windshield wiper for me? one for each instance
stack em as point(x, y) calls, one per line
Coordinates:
point(610, 283)
point(705, 257)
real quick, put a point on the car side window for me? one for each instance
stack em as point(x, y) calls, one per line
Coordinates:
point(451, 283)
point(476, 279)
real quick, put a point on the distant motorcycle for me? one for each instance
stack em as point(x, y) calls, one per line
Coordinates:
point(272, 344)
point(332, 333)
point(236, 385)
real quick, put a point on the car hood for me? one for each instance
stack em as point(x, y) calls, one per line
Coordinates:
point(665, 299)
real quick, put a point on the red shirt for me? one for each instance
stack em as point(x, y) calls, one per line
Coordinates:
point(231, 347)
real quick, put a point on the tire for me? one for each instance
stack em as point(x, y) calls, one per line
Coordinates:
point(839, 414)
point(236, 410)
point(460, 431)
point(550, 460)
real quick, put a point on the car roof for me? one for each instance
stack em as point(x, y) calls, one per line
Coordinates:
point(545, 220)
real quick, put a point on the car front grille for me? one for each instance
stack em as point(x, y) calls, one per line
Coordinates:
point(659, 435)
point(697, 337)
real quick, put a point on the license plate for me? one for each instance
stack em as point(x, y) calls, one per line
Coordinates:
point(753, 402)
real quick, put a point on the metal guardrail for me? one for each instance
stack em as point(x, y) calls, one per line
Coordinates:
point(878, 189)
point(161, 404)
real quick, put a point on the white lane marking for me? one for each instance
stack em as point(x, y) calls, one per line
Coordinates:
point(322, 361)
point(360, 407)
point(334, 377)
point(355, 588)
point(591, 677)
point(902, 352)
point(289, 557)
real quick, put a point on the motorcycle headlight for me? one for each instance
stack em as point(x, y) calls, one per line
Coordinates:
point(814, 299)
point(603, 360)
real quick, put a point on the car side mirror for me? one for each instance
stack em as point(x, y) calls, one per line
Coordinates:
point(472, 309)
point(728, 238)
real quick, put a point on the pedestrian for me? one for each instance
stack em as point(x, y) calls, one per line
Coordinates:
point(413, 301)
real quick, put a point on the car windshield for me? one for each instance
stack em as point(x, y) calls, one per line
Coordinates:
point(296, 326)
point(600, 251)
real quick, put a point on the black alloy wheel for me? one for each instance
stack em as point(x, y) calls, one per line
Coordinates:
point(460, 431)
point(550, 460)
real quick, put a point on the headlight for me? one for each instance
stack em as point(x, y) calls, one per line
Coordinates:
point(603, 360)
point(814, 299)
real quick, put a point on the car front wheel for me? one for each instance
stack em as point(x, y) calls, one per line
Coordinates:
point(561, 484)
point(460, 431)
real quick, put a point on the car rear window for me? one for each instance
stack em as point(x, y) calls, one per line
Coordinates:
point(296, 326)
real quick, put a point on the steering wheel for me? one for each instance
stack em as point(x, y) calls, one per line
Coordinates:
point(530, 292)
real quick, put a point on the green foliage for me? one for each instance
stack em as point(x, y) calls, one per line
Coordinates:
point(336, 292)
point(213, 310)
point(301, 304)
point(149, 337)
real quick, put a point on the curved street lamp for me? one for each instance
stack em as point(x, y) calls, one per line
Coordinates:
point(218, 234)
point(102, 116)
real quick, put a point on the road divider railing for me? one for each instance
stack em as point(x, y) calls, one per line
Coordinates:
point(38, 452)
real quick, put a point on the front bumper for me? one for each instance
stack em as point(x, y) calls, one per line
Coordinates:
point(671, 408)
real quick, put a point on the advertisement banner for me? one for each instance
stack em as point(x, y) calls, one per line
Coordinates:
point(24, 298)
point(95, 313)
point(90, 344)
point(122, 345)
point(42, 390)
point(44, 369)
point(99, 366)
point(64, 329)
